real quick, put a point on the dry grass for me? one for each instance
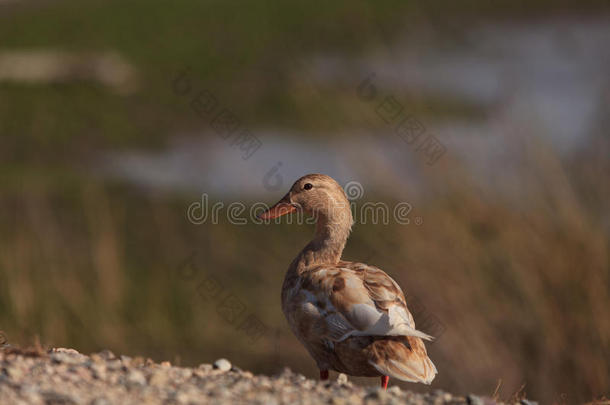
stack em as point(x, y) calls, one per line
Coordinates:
point(522, 289)
point(34, 350)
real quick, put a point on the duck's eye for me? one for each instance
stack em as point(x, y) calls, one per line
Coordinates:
point(308, 186)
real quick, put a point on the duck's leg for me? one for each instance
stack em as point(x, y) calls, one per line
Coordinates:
point(384, 381)
point(323, 375)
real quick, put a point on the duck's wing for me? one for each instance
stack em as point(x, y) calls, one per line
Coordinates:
point(356, 299)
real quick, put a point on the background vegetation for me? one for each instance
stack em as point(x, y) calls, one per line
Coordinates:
point(518, 284)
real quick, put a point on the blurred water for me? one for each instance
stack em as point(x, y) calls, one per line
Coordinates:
point(553, 72)
point(534, 79)
point(210, 165)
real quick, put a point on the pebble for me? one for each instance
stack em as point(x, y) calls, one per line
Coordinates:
point(96, 358)
point(68, 377)
point(62, 357)
point(181, 398)
point(136, 377)
point(474, 400)
point(64, 350)
point(98, 370)
point(54, 397)
point(126, 360)
point(15, 373)
point(114, 364)
point(106, 355)
point(222, 365)
point(378, 394)
point(354, 399)
point(158, 378)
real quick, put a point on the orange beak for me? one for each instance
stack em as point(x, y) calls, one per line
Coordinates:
point(282, 207)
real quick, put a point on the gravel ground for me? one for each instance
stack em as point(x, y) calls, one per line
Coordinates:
point(64, 376)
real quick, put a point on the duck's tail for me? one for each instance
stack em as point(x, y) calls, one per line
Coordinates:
point(404, 358)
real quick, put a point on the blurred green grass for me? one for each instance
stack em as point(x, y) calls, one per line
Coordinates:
point(239, 50)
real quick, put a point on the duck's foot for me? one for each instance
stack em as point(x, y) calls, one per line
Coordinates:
point(323, 375)
point(384, 381)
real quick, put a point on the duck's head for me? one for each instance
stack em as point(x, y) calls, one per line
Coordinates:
point(314, 194)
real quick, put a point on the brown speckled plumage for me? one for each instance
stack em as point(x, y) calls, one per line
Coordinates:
point(351, 317)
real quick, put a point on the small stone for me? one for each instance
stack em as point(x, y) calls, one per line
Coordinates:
point(354, 399)
point(342, 378)
point(166, 364)
point(67, 357)
point(52, 397)
point(27, 389)
point(136, 377)
point(222, 365)
point(64, 350)
point(528, 402)
point(81, 373)
point(114, 364)
point(139, 361)
point(15, 373)
point(158, 378)
point(205, 367)
point(31, 395)
point(378, 394)
point(106, 355)
point(112, 378)
point(474, 400)
point(182, 398)
point(98, 370)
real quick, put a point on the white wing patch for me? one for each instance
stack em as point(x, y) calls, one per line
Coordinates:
point(359, 318)
point(373, 322)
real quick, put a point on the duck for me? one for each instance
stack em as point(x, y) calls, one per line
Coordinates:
point(351, 317)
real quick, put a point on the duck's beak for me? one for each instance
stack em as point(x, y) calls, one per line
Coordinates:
point(282, 207)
